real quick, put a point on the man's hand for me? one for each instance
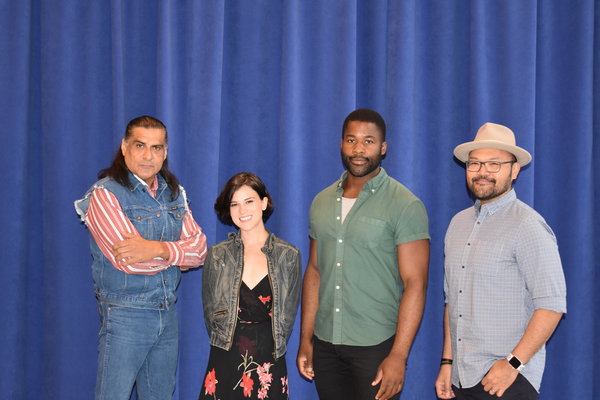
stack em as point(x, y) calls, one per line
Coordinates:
point(304, 360)
point(391, 376)
point(499, 378)
point(443, 384)
point(135, 249)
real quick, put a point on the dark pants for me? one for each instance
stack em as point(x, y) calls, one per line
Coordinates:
point(521, 389)
point(346, 372)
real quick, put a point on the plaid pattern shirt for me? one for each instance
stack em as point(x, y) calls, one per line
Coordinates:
point(501, 264)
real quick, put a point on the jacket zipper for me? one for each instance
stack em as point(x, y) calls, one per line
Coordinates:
point(237, 306)
point(272, 308)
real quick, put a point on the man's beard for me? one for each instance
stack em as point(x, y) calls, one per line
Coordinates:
point(491, 192)
point(359, 171)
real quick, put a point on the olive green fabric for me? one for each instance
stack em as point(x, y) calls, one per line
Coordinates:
point(360, 286)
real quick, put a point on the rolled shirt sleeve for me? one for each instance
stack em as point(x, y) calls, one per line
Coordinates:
point(538, 258)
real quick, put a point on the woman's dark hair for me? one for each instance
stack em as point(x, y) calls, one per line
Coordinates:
point(118, 169)
point(223, 201)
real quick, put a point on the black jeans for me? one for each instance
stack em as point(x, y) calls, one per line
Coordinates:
point(521, 389)
point(346, 372)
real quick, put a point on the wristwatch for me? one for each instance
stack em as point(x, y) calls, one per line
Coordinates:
point(515, 362)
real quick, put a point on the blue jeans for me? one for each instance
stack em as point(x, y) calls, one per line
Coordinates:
point(136, 346)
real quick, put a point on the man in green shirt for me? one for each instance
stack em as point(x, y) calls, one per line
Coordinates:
point(365, 282)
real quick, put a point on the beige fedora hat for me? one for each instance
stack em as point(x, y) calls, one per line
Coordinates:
point(493, 136)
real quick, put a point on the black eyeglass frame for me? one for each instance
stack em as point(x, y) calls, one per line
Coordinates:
point(487, 168)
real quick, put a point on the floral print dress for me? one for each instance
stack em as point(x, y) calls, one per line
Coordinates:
point(248, 370)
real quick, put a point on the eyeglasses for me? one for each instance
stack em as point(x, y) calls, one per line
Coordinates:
point(490, 166)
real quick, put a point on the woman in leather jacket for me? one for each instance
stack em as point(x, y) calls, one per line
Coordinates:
point(250, 290)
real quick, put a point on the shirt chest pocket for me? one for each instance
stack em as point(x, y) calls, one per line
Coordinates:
point(150, 223)
point(491, 258)
point(176, 213)
point(371, 232)
point(162, 223)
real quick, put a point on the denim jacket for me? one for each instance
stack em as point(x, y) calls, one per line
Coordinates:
point(155, 219)
point(222, 278)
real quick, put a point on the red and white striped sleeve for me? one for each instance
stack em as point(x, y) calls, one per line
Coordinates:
point(190, 250)
point(106, 221)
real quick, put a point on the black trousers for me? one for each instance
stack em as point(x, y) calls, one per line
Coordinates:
point(346, 372)
point(521, 389)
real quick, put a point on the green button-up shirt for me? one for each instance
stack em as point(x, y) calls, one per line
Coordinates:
point(360, 287)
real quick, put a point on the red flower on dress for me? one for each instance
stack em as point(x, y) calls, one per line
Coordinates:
point(264, 299)
point(210, 383)
point(247, 384)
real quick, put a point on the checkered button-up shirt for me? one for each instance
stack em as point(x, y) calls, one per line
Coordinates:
point(501, 264)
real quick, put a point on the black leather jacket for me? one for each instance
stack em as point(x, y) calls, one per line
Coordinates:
point(222, 278)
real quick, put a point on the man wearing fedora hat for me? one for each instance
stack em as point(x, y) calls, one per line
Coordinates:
point(504, 285)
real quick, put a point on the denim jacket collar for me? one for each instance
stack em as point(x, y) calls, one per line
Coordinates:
point(159, 183)
point(237, 239)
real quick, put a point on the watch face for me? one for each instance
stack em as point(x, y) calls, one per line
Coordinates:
point(514, 362)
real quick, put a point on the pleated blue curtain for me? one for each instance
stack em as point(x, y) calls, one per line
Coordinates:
point(264, 86)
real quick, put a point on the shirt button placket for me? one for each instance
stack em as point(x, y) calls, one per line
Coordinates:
point(463, 280)
point(337, 302)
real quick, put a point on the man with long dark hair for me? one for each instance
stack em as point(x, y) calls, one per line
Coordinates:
point(142, 235)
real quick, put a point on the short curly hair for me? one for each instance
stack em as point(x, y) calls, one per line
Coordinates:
point(223, 201)
point(366, 115)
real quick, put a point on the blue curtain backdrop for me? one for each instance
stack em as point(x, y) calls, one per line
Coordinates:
point(263, 86)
